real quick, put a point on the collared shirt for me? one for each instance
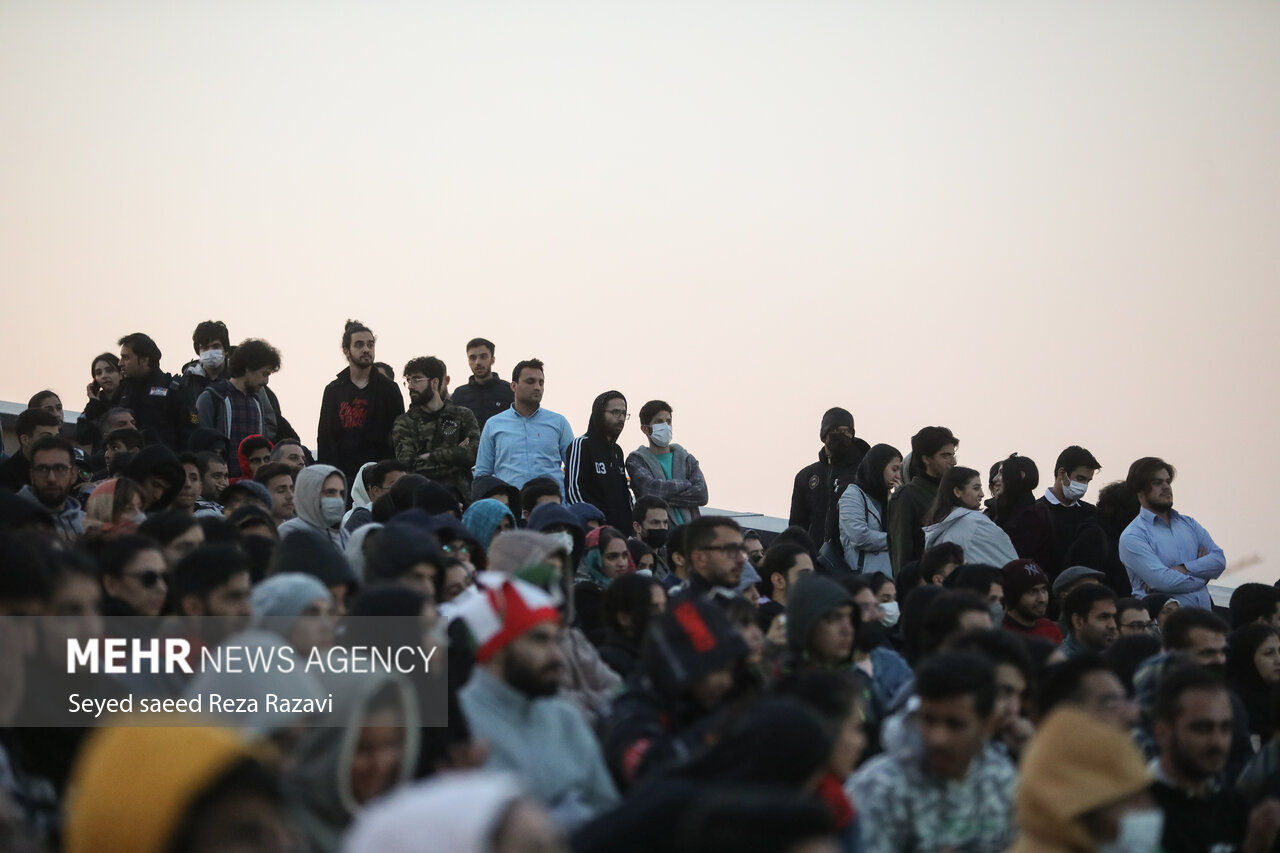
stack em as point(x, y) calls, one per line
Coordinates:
point(1151, 546)
point(1053, 499)
point(516, 449)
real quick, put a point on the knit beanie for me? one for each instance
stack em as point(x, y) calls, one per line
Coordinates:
point(280, 599)
point(309, 553)
point(168, 768)
point(1073, 765)
point(1019, 577)
point(483, 517)
point(504, 610)
point(691, 640)
point(586, 512)
point(513, 550)
point(832, 418)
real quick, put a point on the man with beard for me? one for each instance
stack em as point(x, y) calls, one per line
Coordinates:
point(1193, 727)
point(594, 471)
point(526, 441)
point(510, 701)
point(148, 391)
point(358, 408)
point(211, 587)
point(434, 437)
point(236, 406)
point(714, 554)
point(52, 474)
point(1163, 550)
point(818, 487)
point(1026, 598)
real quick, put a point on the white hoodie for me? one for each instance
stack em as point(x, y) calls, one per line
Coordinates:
point(982, 540)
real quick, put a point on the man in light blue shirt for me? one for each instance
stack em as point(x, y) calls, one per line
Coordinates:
point(1163, 550)
point(525, 441)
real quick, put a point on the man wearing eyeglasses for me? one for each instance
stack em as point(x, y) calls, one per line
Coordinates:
point(714, 553)
point(52, 474)
point(434, 437)
point(594, 470)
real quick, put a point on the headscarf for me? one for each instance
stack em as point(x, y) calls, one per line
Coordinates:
point(870, 474)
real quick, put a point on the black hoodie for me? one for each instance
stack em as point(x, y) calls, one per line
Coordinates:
point(594, 469)
point(355, 423)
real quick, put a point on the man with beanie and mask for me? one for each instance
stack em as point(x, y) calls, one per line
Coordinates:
point(819, 486)
point(933, 453)
point(1026, 598)
point(320, 501)
point(593, 471)
point(1083, 789)
point(665, 470)
point(650, 521)
point(510, 700)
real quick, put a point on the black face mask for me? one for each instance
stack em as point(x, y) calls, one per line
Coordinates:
point(838, 446)
point(655, 539)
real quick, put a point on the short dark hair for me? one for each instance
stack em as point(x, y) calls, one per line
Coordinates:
point(538, 487)
point(353, 327)
point(1081, 600)
point(942, 617)
point(428, 365)
point(273, 469)
point(933, 559)
point(481, 342)
point(116, 553)
point(253, 354)
point(998, 646)
point(253, 443)
point(376, 475)
point(1075, 457)
point(644, 503)
point(1142, 470)
point(210, 330)
point(701, 532)
point(166, 526)
point(205, 458)
point(777, 559)
point(1178, 680)
point(277, 450)
point(950, 675)
point(130, 438)
point(975, 577)
point(1251, 602)
point(650, 410)
point(1176, 630)
point(35, 400)
point(31, 418)
point(54, 442)
point(1129, 603)
point(531, 363)
point(143, 347)
point(927, 442)
point(1064, 682)
point(206, 568)
point(186, 457)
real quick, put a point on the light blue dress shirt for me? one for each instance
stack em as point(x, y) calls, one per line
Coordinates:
point(515, 449)
point(1150, 546)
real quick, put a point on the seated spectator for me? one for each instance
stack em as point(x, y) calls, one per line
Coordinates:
point(937, 563)
point(177, 534)
point(486, 518)
point(821, 621)
point(1015, 677)
point(157, 470)
point(1255, 602)
point(606, 560)
point(373, 481)
point(1026, 596)
point(114, 507)
point(135, 578)
point(291, 452)
point(1090, 615)
point(1087, 683)
point(630, 604)
point(298, 607)
point(1253, 671)
point(957, 792)
point(251, 454)
point(320, 498)
point(1132, 618)
point(309, 553)
point(539, 491)
point(1084, 787)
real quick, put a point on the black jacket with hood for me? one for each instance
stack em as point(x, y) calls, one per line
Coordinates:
point(355, 423)
point(815, 495)
point(156, 403)
point(594, 470)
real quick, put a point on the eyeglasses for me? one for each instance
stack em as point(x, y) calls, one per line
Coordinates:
point(457, 549)
point(150, 578)
point(732, 549)
point(46, 470)
point(1137, 626)
point(618, 413)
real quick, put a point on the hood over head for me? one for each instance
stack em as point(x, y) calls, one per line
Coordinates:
point(156, 460)
point(168, 769)
point(691, 640)
point(242, 451)
point(548, 515)
point(1073, 765)
point(812, 597)
point(435, 498)
point(280, 599)
point(359, 494)
point(597, 429)
point(777, 741)
point(306, 493)
point(514, 550)
point(355, 548)
point(483, 517)
point(585, 512)
point(462, 809)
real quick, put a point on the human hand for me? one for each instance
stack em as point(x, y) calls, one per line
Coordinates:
point(1264, 823)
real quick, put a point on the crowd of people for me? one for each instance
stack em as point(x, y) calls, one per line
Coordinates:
point(925, 659)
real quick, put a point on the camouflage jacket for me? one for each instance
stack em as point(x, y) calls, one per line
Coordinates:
point(440, 433)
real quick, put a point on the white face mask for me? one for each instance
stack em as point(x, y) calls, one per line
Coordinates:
point(890, 617)
point(211, 359)
point(661, 435)
point(565, 539)
point(1073, 491)
point(1139, 833)
point(332, 510)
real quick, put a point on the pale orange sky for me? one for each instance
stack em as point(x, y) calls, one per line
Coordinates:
point(1038, 224)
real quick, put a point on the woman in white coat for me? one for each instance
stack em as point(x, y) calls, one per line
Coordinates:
point(956, 516)
point(862, 533)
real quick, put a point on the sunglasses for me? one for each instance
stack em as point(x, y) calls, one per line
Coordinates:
point(150, 578)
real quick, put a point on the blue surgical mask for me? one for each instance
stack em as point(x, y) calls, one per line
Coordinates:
point(1074, 491)
point(661, 434)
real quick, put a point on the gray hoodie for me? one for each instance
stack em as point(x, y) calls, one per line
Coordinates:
point(306, 501)
point(982, 540)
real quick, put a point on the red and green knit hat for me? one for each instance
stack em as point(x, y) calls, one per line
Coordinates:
point(504, 609)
